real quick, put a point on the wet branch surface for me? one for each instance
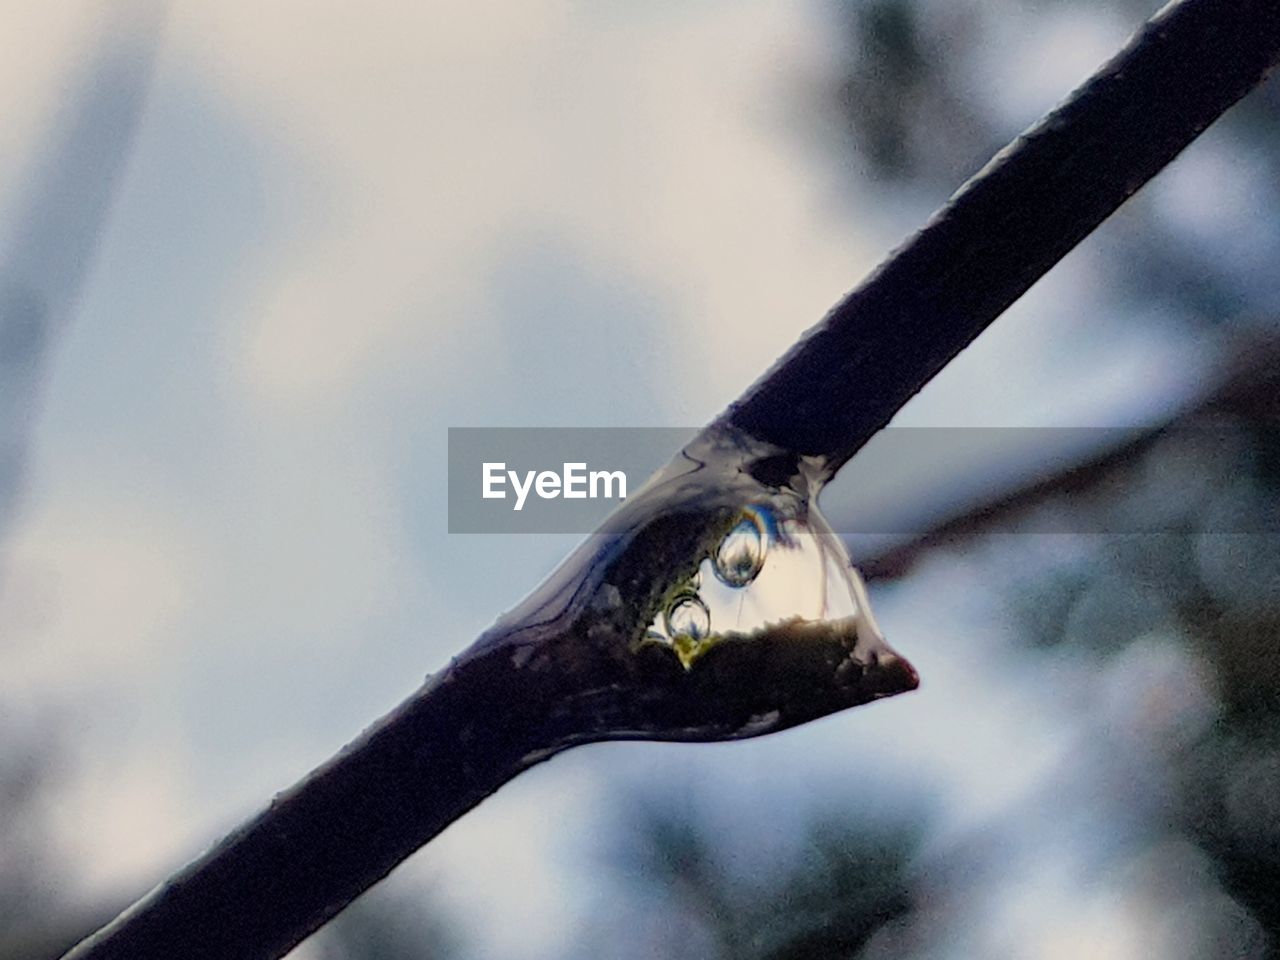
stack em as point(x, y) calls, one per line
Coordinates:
point(564, 668)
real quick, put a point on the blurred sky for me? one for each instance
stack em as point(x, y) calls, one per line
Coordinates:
point(342, 229)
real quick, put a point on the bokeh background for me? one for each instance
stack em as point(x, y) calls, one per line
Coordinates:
point(255, 258)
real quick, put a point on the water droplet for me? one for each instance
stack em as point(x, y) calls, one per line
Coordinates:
point(688, 617)
point(741, 553)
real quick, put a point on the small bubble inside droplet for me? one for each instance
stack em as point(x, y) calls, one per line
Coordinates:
point(688, 617)
point(741, 553)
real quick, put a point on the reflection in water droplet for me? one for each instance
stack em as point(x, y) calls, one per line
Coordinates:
point(741, 553)
point(710, 561)
point(706, 554)
point(688, 617)
point(777, 568)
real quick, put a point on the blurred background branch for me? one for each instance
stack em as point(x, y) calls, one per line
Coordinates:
point(47, 251)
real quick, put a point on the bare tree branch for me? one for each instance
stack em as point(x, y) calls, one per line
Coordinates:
point(1005, 228)
point(574, 663)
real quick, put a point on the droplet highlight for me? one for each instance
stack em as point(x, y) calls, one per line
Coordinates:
point(688, 617)
point(740, 556)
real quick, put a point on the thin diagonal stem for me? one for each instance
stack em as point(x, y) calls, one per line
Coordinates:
point(1005, 228)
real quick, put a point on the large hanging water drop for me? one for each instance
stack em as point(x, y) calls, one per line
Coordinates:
point(715, 603)
point(717, 561)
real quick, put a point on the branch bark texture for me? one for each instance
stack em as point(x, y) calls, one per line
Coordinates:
point(1006, 227)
